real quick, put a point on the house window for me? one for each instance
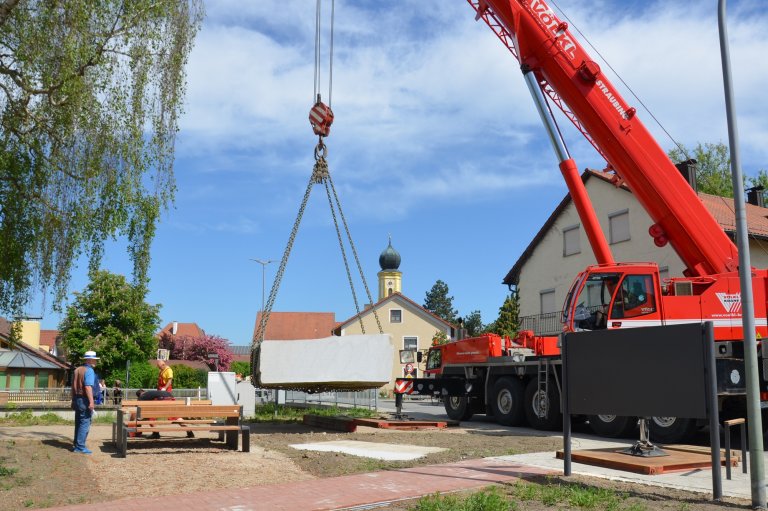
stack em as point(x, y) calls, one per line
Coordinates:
point(411, 343)
point(571, 244)
point(395, 316)
point(42, 379)
point(547, 301)
point(618, 226)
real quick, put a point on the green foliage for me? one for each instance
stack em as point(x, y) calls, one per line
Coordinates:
point(713, 173)
point(473, 323)
point(439, 338)
point(26, 418)
point(243, 368)
point(508, 322)
point(439, 303)
point(189, 378)
point(489, 499)
point(111, 317)
point(143, 375)
point(90, 96)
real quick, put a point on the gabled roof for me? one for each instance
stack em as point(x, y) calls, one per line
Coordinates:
point(22, 359)
point(48, 337)
point(286, 326)
point(720, 207)
point(182, 329)
point(394, 297)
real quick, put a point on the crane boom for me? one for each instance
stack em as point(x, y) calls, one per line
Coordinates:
point(544, 46)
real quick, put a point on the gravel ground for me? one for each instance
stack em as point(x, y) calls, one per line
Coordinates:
point(48, 474)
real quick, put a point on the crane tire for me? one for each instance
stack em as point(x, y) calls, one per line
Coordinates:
point(542, 409)
point(612, 426)
point(457, 408)
point(507, 401)
point(671, 430)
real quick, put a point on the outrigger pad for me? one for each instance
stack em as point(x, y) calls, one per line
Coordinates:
point(348, 362)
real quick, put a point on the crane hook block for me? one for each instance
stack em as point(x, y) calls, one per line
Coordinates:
point(321, 118)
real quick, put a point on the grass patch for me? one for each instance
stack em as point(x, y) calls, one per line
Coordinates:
point(574, 495)
point(26, 418)
point(489, 499)
point(266, 413)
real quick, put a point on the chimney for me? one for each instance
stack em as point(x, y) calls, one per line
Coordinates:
point(755, 196)
point(175, 328)
point(688, 169)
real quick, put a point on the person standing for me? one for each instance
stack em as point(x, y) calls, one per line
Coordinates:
point(117, 393)
point(84, 387)
point(165, 378)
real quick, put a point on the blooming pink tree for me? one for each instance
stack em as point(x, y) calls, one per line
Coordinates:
point(188, 347)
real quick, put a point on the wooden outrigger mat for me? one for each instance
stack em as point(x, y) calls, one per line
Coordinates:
point(681, 457)
point(400, 424)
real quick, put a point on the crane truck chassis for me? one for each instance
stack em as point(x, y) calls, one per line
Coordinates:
point(518, 382)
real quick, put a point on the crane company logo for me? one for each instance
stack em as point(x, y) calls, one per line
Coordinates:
point(547, 16)
point(611, 98)
point(731, 302)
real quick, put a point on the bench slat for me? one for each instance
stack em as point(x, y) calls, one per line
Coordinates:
point(190, 412)
point(149, 429)
point(180, 401)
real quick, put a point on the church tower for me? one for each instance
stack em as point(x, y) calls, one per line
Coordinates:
point(390, 279)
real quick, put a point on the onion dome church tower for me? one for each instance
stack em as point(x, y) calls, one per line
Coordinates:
point(390, 278)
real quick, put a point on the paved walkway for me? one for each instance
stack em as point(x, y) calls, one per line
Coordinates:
point(337, 492)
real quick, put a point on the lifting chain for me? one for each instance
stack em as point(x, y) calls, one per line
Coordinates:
point(320, 175)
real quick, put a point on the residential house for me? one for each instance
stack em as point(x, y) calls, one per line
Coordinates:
point(560, 250)
point(27, 365)
point(411, 326)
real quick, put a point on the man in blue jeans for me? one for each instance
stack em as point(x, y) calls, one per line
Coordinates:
point(84, 388)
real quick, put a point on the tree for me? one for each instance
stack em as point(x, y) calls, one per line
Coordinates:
point(439, 303)
point(473, 323)
point(111, 317)
point(188, 347)
point(90, 95)
point(439, 338)
point(508, 322)
point(713, 172)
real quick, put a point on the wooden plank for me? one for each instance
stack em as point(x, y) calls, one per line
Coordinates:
point(613, 458)
point(400, 424)
point(191, 412)
point(135, 402)
point(151, 429)
point(179, 421)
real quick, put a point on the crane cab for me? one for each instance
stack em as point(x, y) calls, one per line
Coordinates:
point(614, 296)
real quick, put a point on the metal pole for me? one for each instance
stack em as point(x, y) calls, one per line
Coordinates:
point(565, 403)
point(754, 419)
point(708, 338)
point(263, 263)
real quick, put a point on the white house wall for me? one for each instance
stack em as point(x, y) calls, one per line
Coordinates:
point(548, 269)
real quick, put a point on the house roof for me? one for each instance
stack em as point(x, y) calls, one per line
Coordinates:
point(22, 359)
point(48, 337)
point(194, 364)
point(399, 297)
point(720, 207)
point(285, 326)
point(5, 328)
point(182, 329)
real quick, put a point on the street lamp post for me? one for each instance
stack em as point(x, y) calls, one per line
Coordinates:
point(263, 263)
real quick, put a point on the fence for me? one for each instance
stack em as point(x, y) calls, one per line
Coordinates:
point(360, 399)
point(63, 395)
point(547, 324)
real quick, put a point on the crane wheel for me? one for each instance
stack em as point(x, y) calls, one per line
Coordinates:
point(507, 401)
point(671, 430)
point(457, 408)
point(542, 409)
point(612, 426)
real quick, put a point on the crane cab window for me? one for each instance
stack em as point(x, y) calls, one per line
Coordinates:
point(434, 359)
point(635, 297)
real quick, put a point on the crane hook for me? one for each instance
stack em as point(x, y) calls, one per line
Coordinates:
point(321, 118)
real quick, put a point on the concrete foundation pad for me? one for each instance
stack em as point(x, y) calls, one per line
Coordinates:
point(374, 450)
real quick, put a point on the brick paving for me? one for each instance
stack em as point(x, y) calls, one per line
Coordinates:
point(335, 492)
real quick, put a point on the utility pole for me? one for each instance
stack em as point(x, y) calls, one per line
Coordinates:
point(263, 263)
point(754, 414)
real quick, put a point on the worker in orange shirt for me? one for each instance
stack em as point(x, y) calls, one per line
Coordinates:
point(165, 379)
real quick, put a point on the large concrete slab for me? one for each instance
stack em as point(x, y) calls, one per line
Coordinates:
point(379, 451)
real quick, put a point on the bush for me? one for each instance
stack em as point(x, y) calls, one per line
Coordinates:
point(242, 368)
point(143, 375)
point(185, 377)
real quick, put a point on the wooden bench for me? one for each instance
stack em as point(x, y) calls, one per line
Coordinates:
point(128, 407)
point(151, 418)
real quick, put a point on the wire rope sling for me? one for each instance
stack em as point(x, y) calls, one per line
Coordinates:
point(321, 118)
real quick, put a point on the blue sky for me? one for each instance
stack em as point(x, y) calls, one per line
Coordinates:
point(436, 142)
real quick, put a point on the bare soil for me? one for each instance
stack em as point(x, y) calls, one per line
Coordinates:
point(48, 474)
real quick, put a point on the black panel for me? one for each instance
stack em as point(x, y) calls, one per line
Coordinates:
point(640, 372)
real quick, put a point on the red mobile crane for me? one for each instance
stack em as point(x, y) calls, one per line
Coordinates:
point(520, 379)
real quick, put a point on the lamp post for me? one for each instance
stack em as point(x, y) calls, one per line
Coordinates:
point(263, 263)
